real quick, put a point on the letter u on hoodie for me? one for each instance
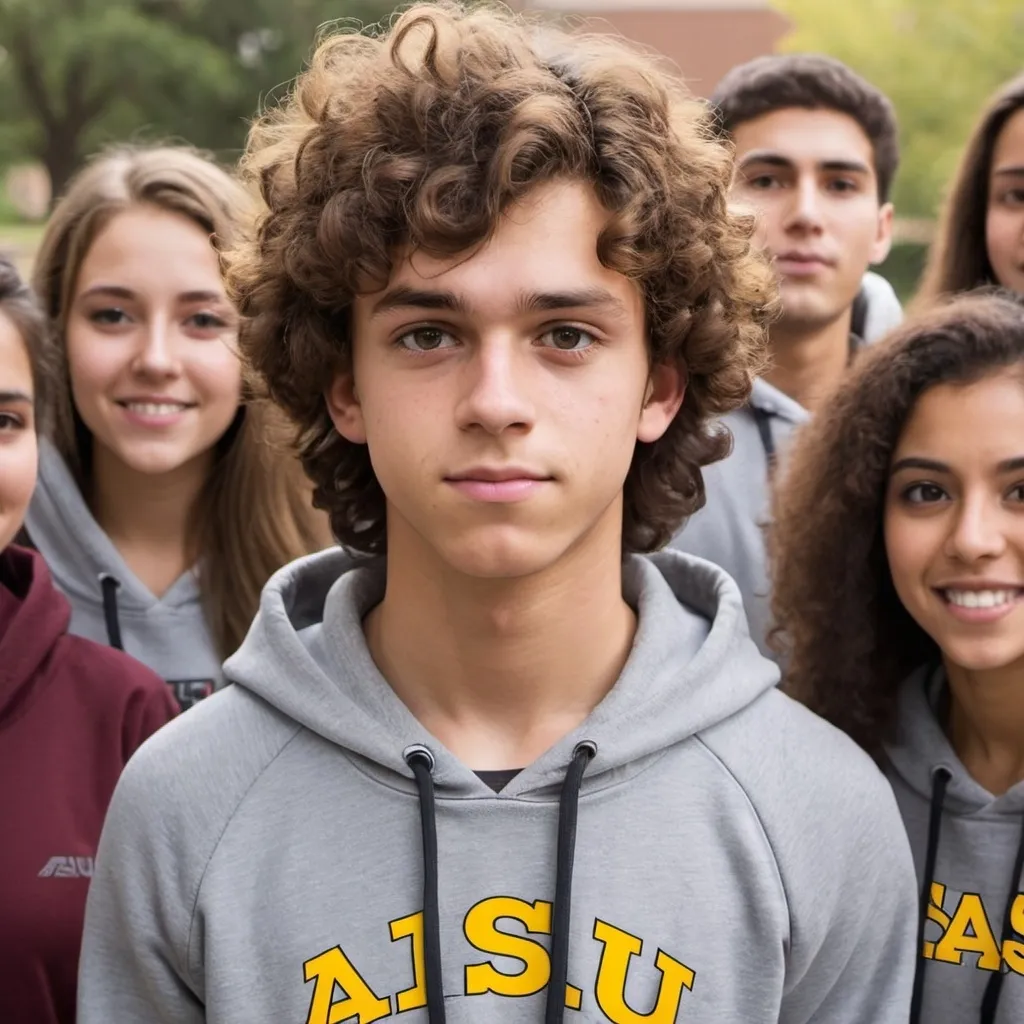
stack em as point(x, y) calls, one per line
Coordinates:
point(969, 850)
point(109, 603)
point(284, 853)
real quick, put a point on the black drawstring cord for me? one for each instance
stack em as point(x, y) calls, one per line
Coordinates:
point(421, 761)
point(567, 814)
point(110, 586)
point(940, 781)
point(763, 420)
point(994, 988)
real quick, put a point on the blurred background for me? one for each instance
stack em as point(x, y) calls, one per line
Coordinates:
point(76, 75)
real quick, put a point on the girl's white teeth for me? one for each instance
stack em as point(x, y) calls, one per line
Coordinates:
point(981, 598)
point(155, 408)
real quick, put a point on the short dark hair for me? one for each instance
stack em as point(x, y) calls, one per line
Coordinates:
point(426, 135)
point(19, 305)
point(813, 82)
point(849, 647)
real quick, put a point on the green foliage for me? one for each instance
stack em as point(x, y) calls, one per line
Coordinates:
point(938, 60)
point(75, 74)
point(904, 267)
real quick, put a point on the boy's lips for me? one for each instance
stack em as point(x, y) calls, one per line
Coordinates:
point(498, 484)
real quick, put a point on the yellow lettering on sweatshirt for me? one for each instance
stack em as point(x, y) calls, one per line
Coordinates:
point(341, 995)
point(619, 949)
point(411, 927)
point(481, 928)
point(358, 1004)
point(969, 932)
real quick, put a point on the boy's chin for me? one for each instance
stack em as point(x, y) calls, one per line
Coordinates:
point(501, 558)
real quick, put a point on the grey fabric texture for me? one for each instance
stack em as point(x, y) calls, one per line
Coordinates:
point(738, 861)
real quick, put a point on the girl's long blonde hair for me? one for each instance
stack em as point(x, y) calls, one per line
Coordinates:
point(254, 513)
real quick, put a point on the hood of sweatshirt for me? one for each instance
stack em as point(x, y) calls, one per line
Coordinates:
point(692, 666)
point(968, 847)
point(301, 844)
point(109, 603)
point(33, 617)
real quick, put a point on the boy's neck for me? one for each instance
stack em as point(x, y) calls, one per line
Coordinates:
point(986, 724)
point(500, 670)
point(808, 365)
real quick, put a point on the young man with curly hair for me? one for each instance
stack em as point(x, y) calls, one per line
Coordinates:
point(816, 153)
point(487, 762)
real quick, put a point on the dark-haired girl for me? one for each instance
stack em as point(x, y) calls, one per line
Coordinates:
point(980, 240)
point(71, 714)
point(898, 553)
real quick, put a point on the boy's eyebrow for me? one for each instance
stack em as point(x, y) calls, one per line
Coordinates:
point(10, 397)
point(404, 297)
point(583, 298)
point(773, 159)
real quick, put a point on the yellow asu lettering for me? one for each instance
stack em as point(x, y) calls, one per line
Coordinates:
point(411, 927)
point(969, 930)
point(358, 1003)
point(481, 929)
point(619, 948)
point(341, 995)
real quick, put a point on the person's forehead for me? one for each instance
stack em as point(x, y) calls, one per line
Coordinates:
point(804, 137)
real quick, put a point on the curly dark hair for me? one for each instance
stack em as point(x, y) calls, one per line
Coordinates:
point(958, 257)
point(843, 631)
point(19, 305)
point(422, 137)
point(814, 82)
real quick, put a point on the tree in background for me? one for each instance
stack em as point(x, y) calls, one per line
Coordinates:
point(76, 74)
point(938, 60)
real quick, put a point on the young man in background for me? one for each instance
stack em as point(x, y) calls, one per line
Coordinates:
point(816, 153)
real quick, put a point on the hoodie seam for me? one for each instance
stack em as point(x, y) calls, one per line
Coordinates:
point(764, 833)
point(216, 846)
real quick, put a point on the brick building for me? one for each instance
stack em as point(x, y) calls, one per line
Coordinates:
point(704, 38)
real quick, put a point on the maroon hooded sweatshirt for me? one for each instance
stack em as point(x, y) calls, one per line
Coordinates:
point(71, 714)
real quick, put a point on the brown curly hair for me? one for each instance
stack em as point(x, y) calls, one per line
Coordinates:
point(423, 137)
point(958, 258)
point(847, 639)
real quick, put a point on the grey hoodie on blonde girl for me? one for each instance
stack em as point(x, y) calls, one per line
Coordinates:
point(109, 603)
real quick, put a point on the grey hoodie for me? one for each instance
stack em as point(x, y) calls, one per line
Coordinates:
point(737, 859)
point(729, 530)
point(976, 874)
point(109, 604)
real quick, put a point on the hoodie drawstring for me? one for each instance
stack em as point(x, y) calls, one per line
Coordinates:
point(994, 988)
point(421, 762)
point(940, 781)
point(111, 585)
point(568, 808)
point(763, 421)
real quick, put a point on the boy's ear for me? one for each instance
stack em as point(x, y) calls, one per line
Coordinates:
point(344, 409)
point(666, 390)
point(883, 240)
